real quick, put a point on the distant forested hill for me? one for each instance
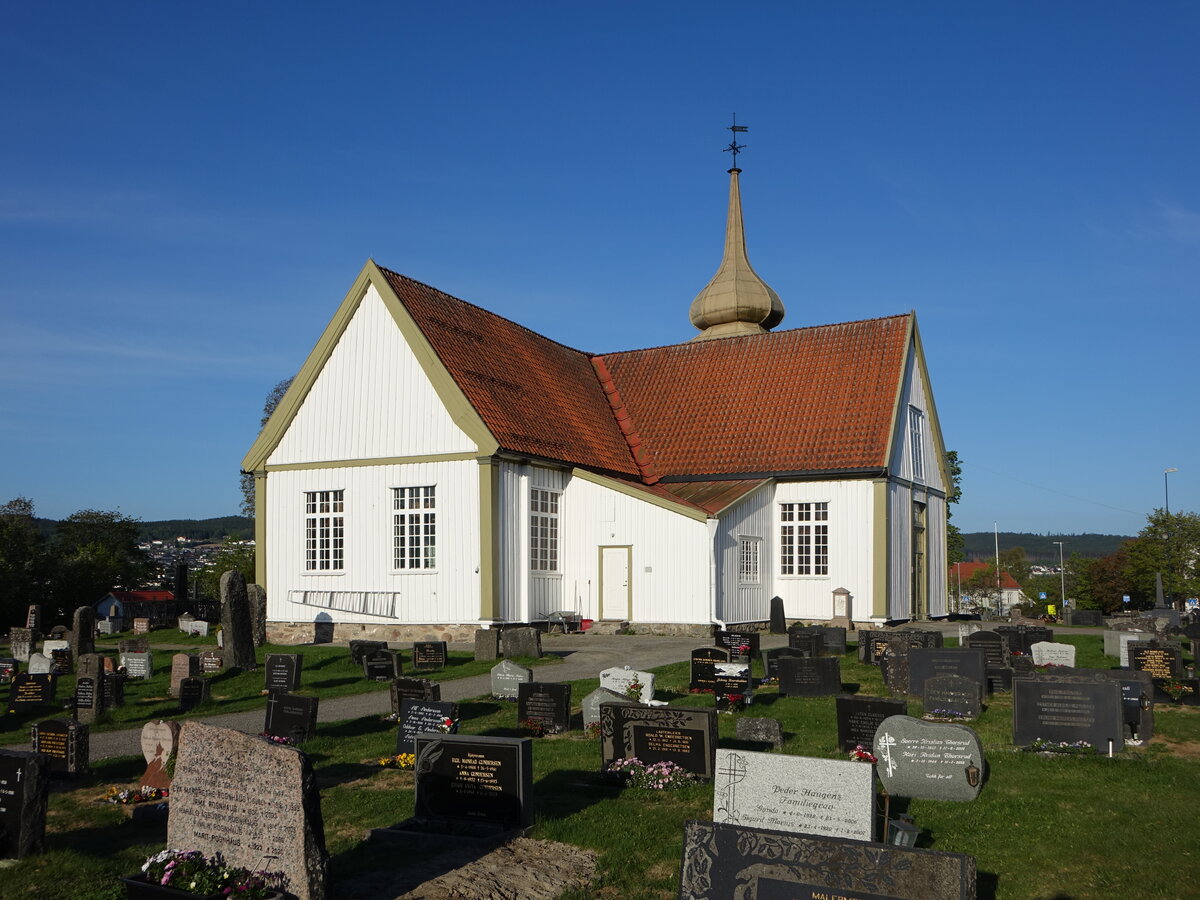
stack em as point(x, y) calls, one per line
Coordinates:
point(169, 529)
point(1040, 548)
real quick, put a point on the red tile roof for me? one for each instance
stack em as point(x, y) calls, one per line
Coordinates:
point(966, 569)
point(806, 400)
point(143, 596)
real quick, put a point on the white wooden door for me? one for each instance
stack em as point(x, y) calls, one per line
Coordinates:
point(614, 582)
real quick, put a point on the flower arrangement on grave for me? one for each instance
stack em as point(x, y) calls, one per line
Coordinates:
point(192, 872)
point(700, 690)
point(945, 714)
point(731, 703)
point(1174, 688)
point(862, 754)
point(537, 727)
point(392, 717)
point(1066, 748)
point(592, 730)
point(278, 739)
point(399, 761)
point(1045, 666)
point(143, 794)
point(659, 776)
point(634, 690)
point(446, 726)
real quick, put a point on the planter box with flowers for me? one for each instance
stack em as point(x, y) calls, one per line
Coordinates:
point(189, 875)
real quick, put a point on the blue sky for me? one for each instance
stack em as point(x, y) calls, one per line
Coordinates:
point(187, 191)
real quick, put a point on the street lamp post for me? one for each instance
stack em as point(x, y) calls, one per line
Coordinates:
point(1062, 579)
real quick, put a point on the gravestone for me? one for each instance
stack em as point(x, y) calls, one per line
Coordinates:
point(59, 633)
point(83, 631)
point(22, 642)
point(952, 696)
point(281, 672)
point(1137, 695)
point(138, 665)
point(236, 629)
point(91, 664)
point(521, 641)
point(994, 647)
point(61, 661)
point(24, 791)
point(925, 663)
point(732, 679)
point(929, 760)
point(106, 626)
point(197, 627)
point(778, 617)
point(183, 665)
point(507, 676)
point(429, 655)
point(8, 668)
point(835, 638)
point(423, 717)
point(113, 689)
point(193, 692)
point(798, 794)
point(872, 646)
point(622, 678)
point(740, 644)
point(159, 741)
point(1124, 639)
point(360, 649)
point(211, 661)
point(590, 705)
point(1091, 618)
point(922, 637)
point(64, 742)
point(809, 641)
point(686, 737)
point(1048, 653)
point(965, 630)
point(893, 664)
point(759, 730)
point(89, 698)
point(277, 823)
point(141, 626)
point(1068, 711)
point(1162, 660)
point(703, 660)
point(31, 690)
point(546, 703)
point(858, 718)
point(291, 716)
point(33, 617)
point(487, 643)
point(382, 665)
point(256, 603)
point(133, 645)
point(413, 689)
point(473, 781)
point(819, 677)
point(723, 861)
point(1022, 637)
point(51, 644)
point(1022, 666)
point(40, 665)
point(770, 660)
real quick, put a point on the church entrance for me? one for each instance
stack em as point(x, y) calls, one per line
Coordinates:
point(615, 565)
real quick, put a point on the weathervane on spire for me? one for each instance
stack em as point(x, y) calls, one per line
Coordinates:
point(734, 147)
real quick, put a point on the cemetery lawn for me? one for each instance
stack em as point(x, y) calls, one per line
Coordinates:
point(1071, 828)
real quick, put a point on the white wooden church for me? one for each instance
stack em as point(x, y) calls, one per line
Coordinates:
point(437, 468)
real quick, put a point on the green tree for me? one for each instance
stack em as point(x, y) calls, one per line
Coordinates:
point(1104, 582)
point(23, 560)
point(95, 551)
point(1014, 562)
point(269, 405)
point(982, 589)
point(1170, 544)
point(234, 554)
point(956, 545)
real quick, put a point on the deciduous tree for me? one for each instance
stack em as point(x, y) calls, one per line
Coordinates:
point(269, 405)
point(23, 561)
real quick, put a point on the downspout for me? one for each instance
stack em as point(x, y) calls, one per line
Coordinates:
point(711, 524)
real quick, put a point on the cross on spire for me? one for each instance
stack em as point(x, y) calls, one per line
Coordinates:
point(734, 147)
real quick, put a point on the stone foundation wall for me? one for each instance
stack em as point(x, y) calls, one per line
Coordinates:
point(341, 633)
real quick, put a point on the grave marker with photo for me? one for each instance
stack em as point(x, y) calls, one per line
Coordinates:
point(703, 660)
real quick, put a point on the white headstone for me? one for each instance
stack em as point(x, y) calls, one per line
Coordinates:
point(48, 646)
point(619, 678)
point(1052, 653)
point(39, 664)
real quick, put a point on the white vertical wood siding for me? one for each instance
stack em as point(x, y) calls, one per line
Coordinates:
point(371, 400)
point(851, 533)
point(899, 605)
point(939, 574)
point(751, 517)
point(449, 594)
point(527, 596)
point(915, 393)
point(669, 571)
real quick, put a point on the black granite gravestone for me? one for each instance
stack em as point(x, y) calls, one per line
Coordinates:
point(424, 717)
point(291, 716)
point(359, 649)
point(999, 680)
point(24, 789)
point(770, 660)
point(1161, 659)
point(835, 638)
point(703, 659)
point(686, 737)
point(472, 781)
point(193, 692)
point(1068, 712)
point(113, 687)
point(31, 691)
point(1091, 618)
point(281, 672)
point(382, 665)
point(428, 655)
point(819, 677)
point(88, 699)
point(414, 689)
point(743, 644)
point(994, 646)
point(859, 717)
point(732, 679)
point(872, 646)
point(925, 663)
point(778, 617)
point(64, 742)
point(546, 703)
point(952, 696)
point(809, 641)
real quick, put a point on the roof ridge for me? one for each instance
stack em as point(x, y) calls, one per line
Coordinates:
point(629, 431)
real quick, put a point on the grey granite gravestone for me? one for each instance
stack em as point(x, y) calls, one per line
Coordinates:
point(759, 730)
point(590, 705)
point(473, 781)
point(622, 678)
point(83, 631)
point(39, 664)
point(65, 742)
point(1125, 639)
point(952, 696)
point(183, 665)
point(106, 626)
point(1068, 712)
point(138, 665)
point(506, 676)
point(236, 627)
point(686, 737)
point(487, 643)
point(522, 641)
point(1050, 653)
point(810, 677)
point(723, 861)
point(799, 794)
point(931, 760)
point(858, 718)
point(24, 791)
point(256, 602)
point(22, 642)
point(278, 820)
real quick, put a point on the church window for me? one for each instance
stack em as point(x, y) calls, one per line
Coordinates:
point(749, 560)
point(543, 530)
point(804, 539)
point(916, 442)
point(324, 531)
point(414, 528)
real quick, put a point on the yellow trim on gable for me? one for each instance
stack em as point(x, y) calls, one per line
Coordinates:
point(489, 540)
point(376, 461)
point(880, 530)
point(260, 529)
point(621, 488)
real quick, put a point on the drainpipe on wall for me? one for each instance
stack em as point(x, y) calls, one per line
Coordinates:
point(712, 523)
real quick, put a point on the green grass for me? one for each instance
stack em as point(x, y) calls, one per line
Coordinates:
point(1042, 828)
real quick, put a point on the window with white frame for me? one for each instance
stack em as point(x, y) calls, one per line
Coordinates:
point(749, 560)
point(414, 528)
point(916, 442)
point(543, 530)
point(324, 531)
point(804, 538)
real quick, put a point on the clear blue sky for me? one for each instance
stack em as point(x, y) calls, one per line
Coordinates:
point(187, 191)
